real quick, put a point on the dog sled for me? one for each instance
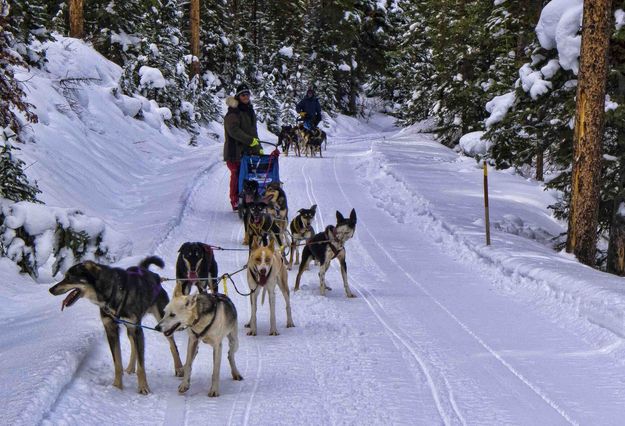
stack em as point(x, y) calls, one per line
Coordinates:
point(263, 169)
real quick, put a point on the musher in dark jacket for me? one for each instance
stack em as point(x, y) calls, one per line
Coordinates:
point(309, 109)
point(241, 137)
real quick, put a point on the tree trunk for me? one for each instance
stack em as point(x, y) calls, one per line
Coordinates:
point(589, 119)
point(76, 19)
point(616, 246)
point(540, 164)
point(195, 36)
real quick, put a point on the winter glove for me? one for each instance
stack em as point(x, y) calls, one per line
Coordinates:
point(261, 152)
point(302, 114)
point(255, 142)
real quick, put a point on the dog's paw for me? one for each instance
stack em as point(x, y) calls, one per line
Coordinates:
point(130, 369)
point(351, 295)
point(179, 372)
point(118, 384)
point(213, 393)
point(274, 333)
point(184, 386)
point(290, 324)
point(247, 325)
point(251, 333)
point(144, 390)
point(237, 376)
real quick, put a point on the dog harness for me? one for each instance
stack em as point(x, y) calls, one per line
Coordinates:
point(220, 298)
point(138, 271)
point(299, 225)
point(258, 280)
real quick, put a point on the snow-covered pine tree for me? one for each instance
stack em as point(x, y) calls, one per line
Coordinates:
point(461, 59)
point(27, 21)
point(15, 112)
point(116, 28)
point(14, 184)
point(409, 80)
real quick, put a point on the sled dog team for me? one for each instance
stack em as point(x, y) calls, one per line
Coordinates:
point(126, 295)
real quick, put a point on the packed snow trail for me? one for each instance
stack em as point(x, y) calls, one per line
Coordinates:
point(432, 337)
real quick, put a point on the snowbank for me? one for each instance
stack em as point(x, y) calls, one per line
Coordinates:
point(522, 231)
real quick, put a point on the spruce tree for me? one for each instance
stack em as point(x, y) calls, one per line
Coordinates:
point(14, 184)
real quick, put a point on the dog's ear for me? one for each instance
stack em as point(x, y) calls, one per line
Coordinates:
point(191, 301)
point(183, 247)
point(339, 217)
point(92, 267)
point(178, 290)
point(314, 208)
point(352, 217)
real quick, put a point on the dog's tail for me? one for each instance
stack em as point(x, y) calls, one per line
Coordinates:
point(152, 260)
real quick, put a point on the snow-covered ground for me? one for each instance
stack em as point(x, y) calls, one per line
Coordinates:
point(444, 329)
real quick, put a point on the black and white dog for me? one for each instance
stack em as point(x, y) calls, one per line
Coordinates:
point(259, 222)
point(196, 264)
point(250, 193)
point(121, 294)
point(327, 245)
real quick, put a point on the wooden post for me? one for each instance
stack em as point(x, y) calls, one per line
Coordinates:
point(486, 213)
point(76, 18)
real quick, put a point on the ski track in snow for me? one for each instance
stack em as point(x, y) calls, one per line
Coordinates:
point(443, 411)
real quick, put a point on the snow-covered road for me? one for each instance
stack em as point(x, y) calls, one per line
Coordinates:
point(439, 333)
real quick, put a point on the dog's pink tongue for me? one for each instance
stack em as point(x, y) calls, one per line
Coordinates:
point(262, 278)
point(192, 275)
point(69, 299)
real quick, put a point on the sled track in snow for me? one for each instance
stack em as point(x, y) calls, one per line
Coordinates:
point(392, 332)
point(541, 394)
point(178, 409)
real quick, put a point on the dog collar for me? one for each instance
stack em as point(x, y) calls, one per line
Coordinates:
point(205, 329)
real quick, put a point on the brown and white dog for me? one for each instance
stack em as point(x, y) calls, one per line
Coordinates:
point(328, 245)
point(265, 270)
point(301, 230)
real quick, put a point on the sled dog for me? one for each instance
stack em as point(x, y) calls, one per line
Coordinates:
point(301, 230)
point(278, 206)
point(259, 222)
point(196, 261)
point(327, 245)
point(208, 318)
point(265, 270)
point(126, 294)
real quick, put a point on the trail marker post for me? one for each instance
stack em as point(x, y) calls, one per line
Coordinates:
point(486, 213)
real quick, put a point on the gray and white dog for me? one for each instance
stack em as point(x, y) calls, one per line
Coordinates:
point(209, 318)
